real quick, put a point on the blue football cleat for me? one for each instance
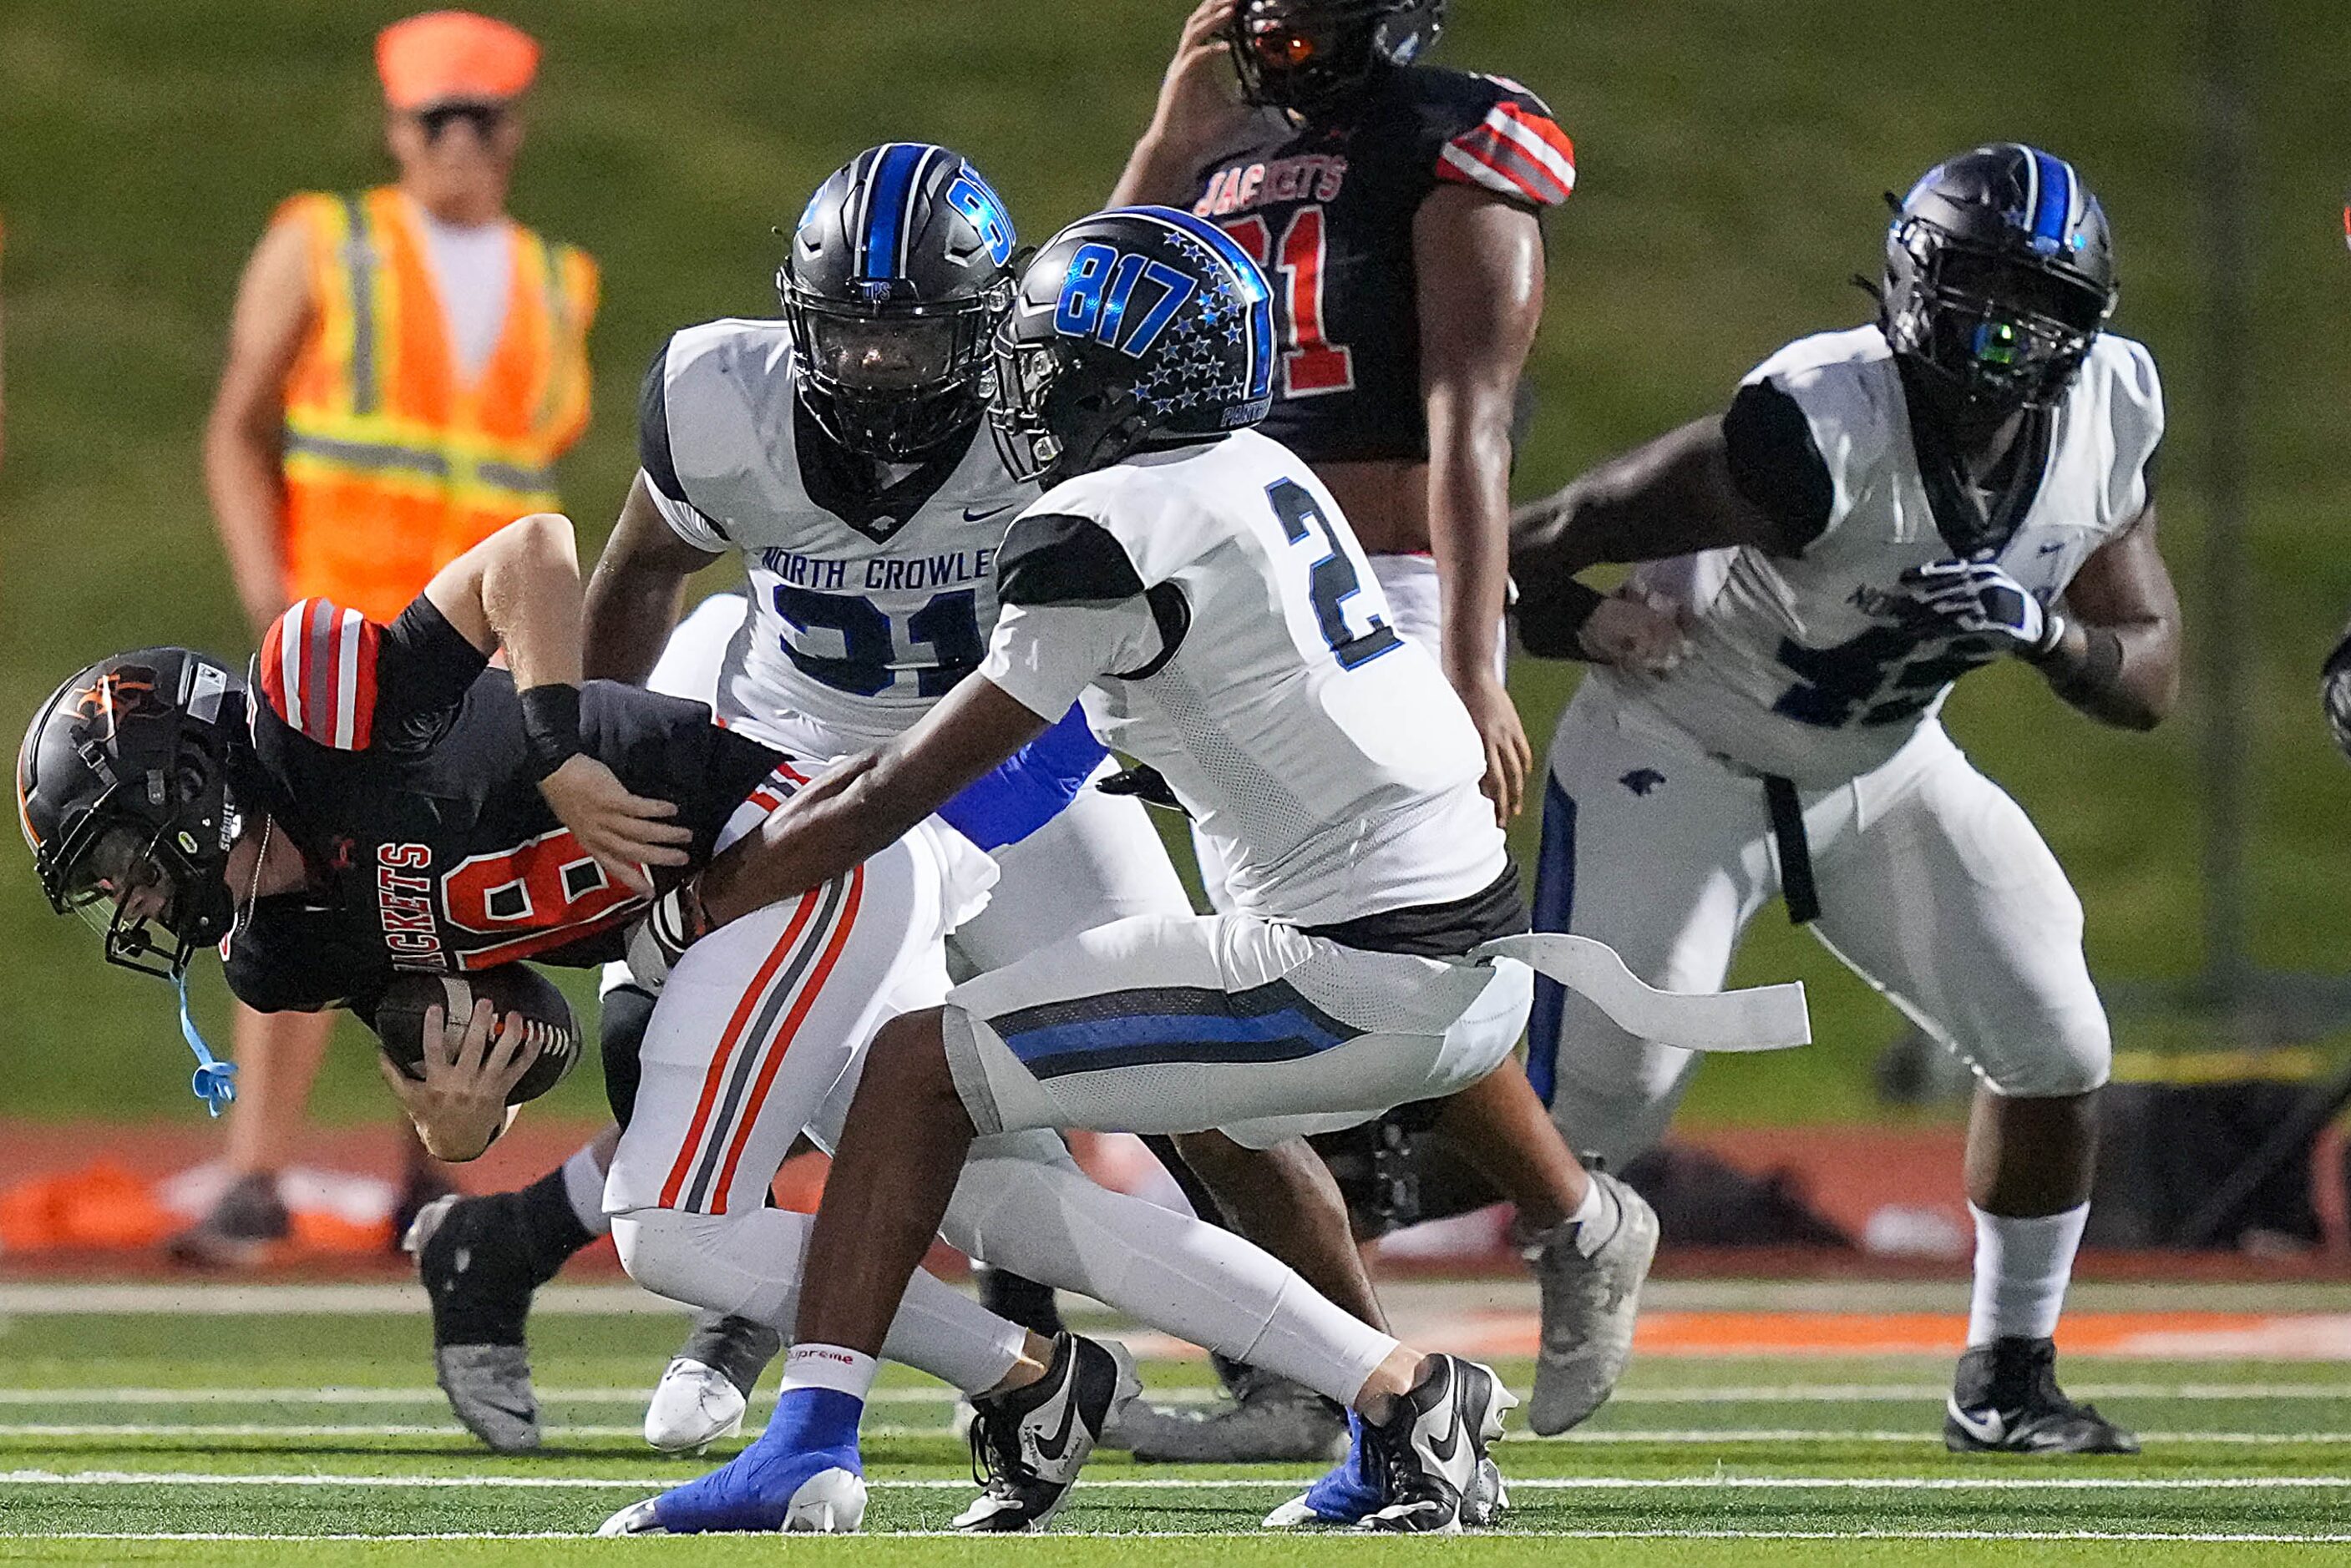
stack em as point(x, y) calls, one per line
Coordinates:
point(802, 1475)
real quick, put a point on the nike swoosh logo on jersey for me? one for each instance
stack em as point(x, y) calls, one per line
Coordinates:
point(971, 517)
point(2052, 548)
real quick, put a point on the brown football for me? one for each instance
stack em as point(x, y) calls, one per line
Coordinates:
point(399, 1020)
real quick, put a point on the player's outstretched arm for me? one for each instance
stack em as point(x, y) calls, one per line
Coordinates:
point(1479, 259)
point(1198, 115)
point(519, 589)
point(1669, 497)
point(867, 803)
point(2118, 657)
point(636, 591)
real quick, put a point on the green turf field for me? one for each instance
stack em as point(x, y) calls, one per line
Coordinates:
point(1731, 155)
point(207, 1438)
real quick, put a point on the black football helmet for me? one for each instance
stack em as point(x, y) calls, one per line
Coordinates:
point(1306, 54)
point(124, 787)
point(1141, 326)
point(897, 272)
point(2000, 274)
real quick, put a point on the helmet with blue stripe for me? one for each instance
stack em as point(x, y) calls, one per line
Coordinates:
point(1142, 326)
point(898, 269)
point(2000, 274)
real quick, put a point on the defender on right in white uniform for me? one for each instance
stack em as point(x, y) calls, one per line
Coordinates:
point(1878, 512)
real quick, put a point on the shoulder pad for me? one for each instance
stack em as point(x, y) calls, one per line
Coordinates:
point(318, 670)
point(1501, 138)
point(1056, 558)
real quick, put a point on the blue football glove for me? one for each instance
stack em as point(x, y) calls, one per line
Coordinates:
point(1979, 598)
point(1029, 788)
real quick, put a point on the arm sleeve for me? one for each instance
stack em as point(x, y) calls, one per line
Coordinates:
point(1516, 150)
point(1776, 464)
point(660, 464)
point(341, 680)
point(1029, 788)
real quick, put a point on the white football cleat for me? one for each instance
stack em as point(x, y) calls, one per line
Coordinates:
point(692, 1406)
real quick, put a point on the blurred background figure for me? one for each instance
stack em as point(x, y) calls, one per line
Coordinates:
point(406, 364)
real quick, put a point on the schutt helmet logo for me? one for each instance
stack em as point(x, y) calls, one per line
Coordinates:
point(1641, 781)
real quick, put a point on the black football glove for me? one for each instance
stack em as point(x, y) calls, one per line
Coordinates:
point(1979, 598)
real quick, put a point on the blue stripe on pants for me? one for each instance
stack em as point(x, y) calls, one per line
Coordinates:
point(1554, 908)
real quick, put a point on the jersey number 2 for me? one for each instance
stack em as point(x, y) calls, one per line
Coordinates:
point(1330, 581)
point(1311, 363)
point(948, 626)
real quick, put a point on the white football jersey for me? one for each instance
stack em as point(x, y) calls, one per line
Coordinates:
point(1219, 620)
point(858, 625)
point(1798, 665)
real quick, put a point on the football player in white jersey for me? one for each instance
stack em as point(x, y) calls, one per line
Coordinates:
point(1880, 511)
point(837, 455)
point(1196, 588)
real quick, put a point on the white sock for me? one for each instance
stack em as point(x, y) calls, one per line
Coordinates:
point(749, 1265)
point(583, 1187)
point(833, 1366)
point(1044, 1219)
point(2023, 1267)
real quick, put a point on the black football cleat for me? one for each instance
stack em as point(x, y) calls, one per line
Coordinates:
point(2005, 1400)
point(1029, 1444)
point(246, 1225)
point(1433, 1446)
point(1269, 1420)
point(474, 1264)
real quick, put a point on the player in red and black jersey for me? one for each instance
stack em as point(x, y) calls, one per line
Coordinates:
point(1396, 206)
point(1397, 209)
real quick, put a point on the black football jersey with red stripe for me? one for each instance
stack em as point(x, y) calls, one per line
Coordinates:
point(394, 759)
point(1327, 209)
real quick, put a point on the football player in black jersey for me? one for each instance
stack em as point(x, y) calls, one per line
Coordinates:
point(1396, 206)
point(380, 800)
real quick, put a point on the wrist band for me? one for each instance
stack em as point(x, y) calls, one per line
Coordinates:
point(551, 727)
point(2052, 640)
point(2102, 661)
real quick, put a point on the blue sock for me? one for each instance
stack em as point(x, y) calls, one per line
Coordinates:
point(1355, 1486)
point(813, 1430)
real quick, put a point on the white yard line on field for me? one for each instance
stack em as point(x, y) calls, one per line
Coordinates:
point(2210, 1538)
point(1773, 1394)
point(1994, 1483)
point(1587, 1436)
point(350, 1395)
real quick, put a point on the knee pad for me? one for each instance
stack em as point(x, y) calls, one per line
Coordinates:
point(2061, 1063)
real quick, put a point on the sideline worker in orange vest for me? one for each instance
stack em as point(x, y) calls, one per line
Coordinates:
point(406, 364)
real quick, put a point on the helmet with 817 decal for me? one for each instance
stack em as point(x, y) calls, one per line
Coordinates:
point(1142, 326)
